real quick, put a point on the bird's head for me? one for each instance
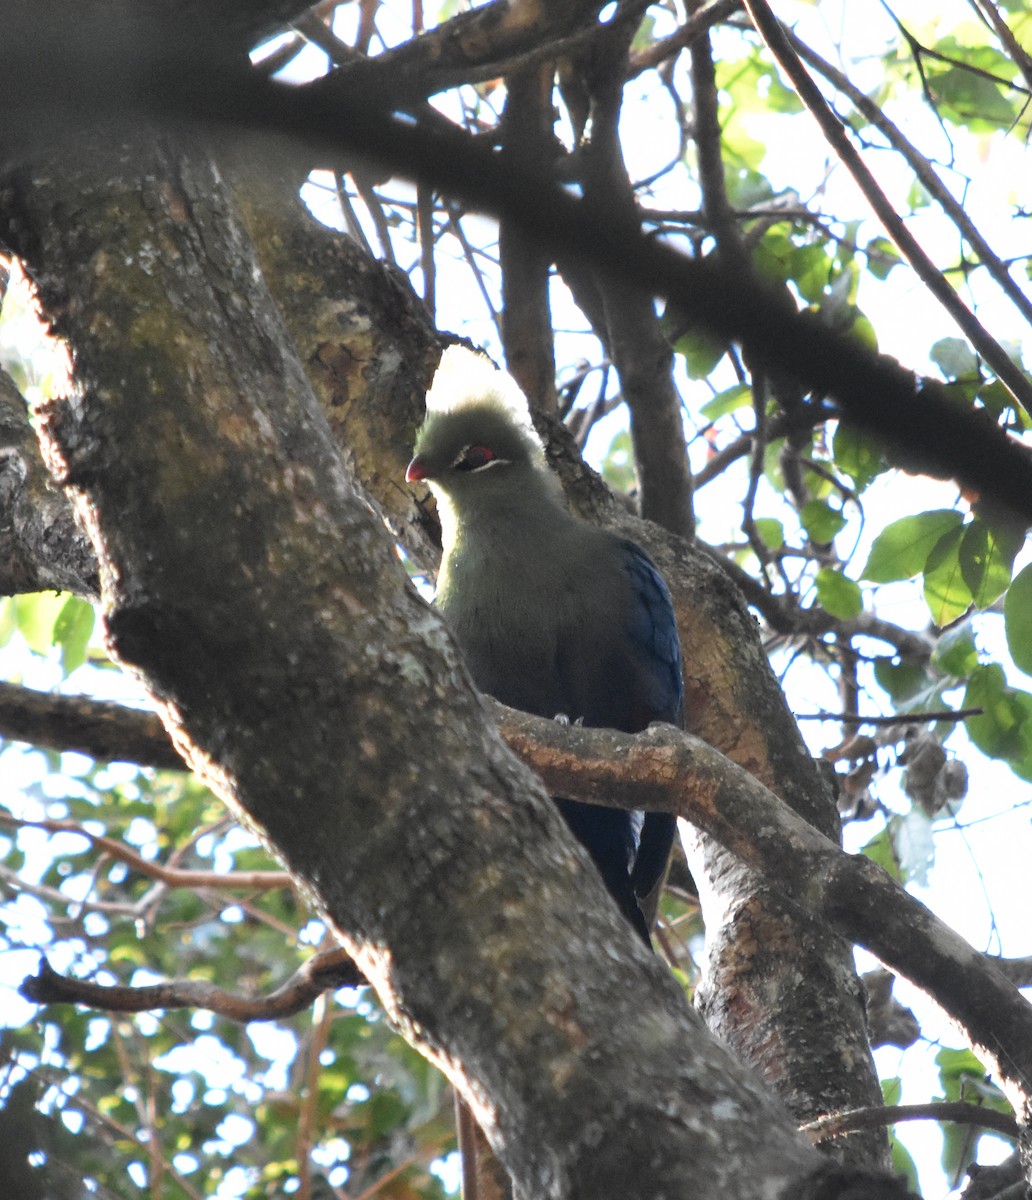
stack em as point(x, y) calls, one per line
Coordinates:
point(477, 439)
point(451, 447)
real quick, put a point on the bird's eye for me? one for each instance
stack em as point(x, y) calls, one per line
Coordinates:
point(474, 458)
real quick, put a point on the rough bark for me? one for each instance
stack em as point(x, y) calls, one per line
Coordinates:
point(365, 340)
point(627, 321)
point(526, 315)
point(665, 770)
point(41, 546)
point(369, 365)
point(251, 587)
point(104, 731)
point(762, 958)
point(724, 653)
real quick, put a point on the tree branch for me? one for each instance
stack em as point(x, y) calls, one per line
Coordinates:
point(253, 881)
point(417, 836)
point(939, 714)
point(1019, 55)
point(41, 547)
point(526, 310)
point(630, 329)
point(770, 30)
point(321, 973)
point(874, 393)
point(922, 168)
point(494, 40)
point(111, 732)
point(698, 23)
point(958, 1111)
point(665, 770)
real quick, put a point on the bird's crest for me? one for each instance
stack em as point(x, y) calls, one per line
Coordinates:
point(467, 378)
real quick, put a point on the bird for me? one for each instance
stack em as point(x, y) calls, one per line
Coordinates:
point(554, 616)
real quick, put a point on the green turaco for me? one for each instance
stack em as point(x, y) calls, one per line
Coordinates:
point(554, 616)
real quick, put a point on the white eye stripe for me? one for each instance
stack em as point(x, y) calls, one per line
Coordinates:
point(461, 462)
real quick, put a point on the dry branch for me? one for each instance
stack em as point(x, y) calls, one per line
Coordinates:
point(324, 972)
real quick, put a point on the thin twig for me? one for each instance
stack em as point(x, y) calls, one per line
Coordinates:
point(317, 1043)
point(700, 22)
point(958, 1111)
point(988, 11)
point(903, 718)
point(769, 28)
point(172, 876)
point(455, 224)
point(924, 171)
point(324, 972)
point(425, 233)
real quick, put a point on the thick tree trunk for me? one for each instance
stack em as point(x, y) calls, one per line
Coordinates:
point(249, 584)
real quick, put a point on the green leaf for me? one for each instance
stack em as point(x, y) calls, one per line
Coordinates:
point(958, 1070)
point(382, 1113)
point(773, 256)
point(821, 521)
point(970, 1083)
point(37, 613)
point(901, 550)
point(618, 464)
point(892, 1090)
point(999, 731)
point(976, 101)
point(645, 34)
point(782, 99)
point(701, 353)
point(1017, 615)
point(903, 1164)
point(901, 680)
point(810, 268)
point(838, 595)
point(727, 401)
point(839, 304)
point(746, 187)
point(881, 850)
point(912, 834)
point(8, 619)
point(997, 400)
point(955, 358)
point(918, 196)
point(863, 330)
point(955, 652)
point(772, 532)
point(858, 455)
point(882, 256)
point(73, 629)
point(986, 559)
point(772, 469)
point(945, 590)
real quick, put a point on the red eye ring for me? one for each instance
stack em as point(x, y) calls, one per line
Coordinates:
point(474, 458)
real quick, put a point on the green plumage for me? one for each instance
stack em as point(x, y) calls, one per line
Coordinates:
point(554, 616)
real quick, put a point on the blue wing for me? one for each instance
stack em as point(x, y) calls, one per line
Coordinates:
point(652, 628)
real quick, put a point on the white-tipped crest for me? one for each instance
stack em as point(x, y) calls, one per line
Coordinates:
point(467, 377)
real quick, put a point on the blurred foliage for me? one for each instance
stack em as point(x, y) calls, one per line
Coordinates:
point(187, 1104)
